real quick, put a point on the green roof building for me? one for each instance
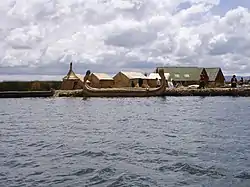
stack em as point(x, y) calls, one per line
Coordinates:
point(216, 76)
point(191, 75)
point(184, 75)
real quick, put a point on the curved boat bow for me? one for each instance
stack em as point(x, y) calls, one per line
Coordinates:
point(124, 92)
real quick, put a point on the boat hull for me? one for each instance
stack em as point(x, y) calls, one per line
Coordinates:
point(122, 92)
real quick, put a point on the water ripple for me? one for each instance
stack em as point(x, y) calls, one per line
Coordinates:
point(193, 169)
point(177, 141)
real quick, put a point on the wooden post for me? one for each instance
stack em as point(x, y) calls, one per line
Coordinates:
point(70, 66)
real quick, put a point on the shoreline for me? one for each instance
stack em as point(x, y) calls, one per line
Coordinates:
point(211, 92)
point(174, 92)
point(23, 94)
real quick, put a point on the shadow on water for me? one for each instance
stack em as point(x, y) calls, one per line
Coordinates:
point(85, 98)
point(203, 97)
point(163, 98)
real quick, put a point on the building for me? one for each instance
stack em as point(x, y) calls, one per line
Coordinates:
point(152, 79)
point(216, 77)
point(185, 75)
point(101, 80)
point(72, 81)
point(125, 79)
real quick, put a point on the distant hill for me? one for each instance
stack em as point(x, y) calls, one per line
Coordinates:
point(228, 78)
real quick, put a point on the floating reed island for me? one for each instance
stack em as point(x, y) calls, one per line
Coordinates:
point(68, 93)
point(165, 81)
point(240, 92)
point(236, 92)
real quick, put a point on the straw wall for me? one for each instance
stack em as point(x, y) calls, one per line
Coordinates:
point(71, 84)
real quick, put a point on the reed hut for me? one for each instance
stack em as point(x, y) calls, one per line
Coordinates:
point(101, 80)
point(126, 79)
point(154, 76)
point(185, 75)
point(216, 77)
point(72, 81)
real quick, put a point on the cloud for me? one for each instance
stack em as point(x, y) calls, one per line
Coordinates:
point(43, 36)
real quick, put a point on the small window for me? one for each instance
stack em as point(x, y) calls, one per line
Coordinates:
point(177, 75)
point(186, 75)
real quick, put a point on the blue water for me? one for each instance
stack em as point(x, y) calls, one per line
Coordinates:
point(172, 141)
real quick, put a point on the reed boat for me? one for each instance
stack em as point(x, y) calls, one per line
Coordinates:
point(89, 91)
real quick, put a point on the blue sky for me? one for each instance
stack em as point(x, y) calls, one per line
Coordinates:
point(231, 4)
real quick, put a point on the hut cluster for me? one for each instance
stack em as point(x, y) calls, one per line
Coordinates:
point(178, 76)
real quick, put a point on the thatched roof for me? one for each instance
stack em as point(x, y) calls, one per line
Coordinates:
point(71, 75)
point(183, 73)
point(134, 75)
point(102, 76)
point(213, 73)
point(156, 75)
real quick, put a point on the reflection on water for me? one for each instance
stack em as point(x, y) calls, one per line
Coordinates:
point(164, 141)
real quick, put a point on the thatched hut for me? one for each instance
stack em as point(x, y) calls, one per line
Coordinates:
point(154, 76)
point(216, 77)
point(101, 80)
point(185, 75)
point(72, 81)
point(126, 79)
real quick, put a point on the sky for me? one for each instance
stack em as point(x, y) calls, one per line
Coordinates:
point(41, 37)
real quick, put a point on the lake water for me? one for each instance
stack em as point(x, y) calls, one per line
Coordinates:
point(171, 141)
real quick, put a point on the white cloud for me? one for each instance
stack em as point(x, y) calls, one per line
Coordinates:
point(114, 34)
